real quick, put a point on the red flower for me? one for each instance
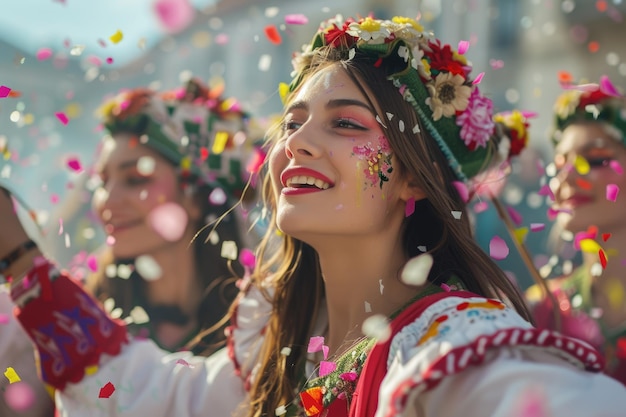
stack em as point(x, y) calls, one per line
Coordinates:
point(593, 97)
point(338, 37)
point(518, 143)
point(442, 59)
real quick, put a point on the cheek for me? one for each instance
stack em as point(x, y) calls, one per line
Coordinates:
point(374, 161)
point(277, 162)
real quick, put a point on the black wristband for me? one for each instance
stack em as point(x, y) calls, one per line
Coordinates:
point(15, 254)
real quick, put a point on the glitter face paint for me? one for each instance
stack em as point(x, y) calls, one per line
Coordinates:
point(378, 160)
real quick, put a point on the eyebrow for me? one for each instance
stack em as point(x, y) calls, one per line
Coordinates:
point(332, 104)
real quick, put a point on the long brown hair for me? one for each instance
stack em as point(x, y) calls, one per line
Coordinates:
point(295, 268)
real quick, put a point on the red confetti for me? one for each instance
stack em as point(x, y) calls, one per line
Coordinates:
point(593, 46)
point(621, 348)
point(584, 184)
point(601, 5)
point(273, 35)
point(606, 236)
point(107, 390)
point(565, 77)
point(602, 256)
point(204, 153)
point(62, 118)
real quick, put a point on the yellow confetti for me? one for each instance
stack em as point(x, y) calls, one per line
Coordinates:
point(11, 375)
point(117, 37)
point(590, 246)
point(520, 234)
point(283, 90)
point(581, 165)
point(73, 110)
point(185, 163)
point(221, 138)
point(90, 370)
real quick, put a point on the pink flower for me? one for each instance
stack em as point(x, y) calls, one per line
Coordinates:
point(476, 121)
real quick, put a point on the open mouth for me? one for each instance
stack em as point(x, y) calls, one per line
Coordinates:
point(303, 181)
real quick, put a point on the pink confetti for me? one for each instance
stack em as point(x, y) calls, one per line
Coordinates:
point(349, 376)
point(110, 241)
point(74, 164)
point(62, 118)
point(615, 165)
point(545, 190)
point(19, 396)
point(221, 39)
point(296, 19)
point(107, 390)
point(537, 227)
point(43, 54)
point(4, 91)
point(315, 344)
point(498, 249)
point(461, 188)
point(480, 207)
point(247, 258)
point(463, 47)
point(94, 60)
point(174, 15)
point(496, 63)
point(607, 87)
point(4, 319)
point(326, 368)
point(589, 234)
point(612, 190)
point(92, 263)
point(109, 60)
point(478, 78)
point(325, 351)
point(169, 220)
point(515, 216)
point(409, 208)
point(256, 162)
point(60, 226)
point(102, 43)
point(184, 363)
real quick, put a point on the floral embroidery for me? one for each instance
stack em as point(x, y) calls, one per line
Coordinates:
point(378, 160)
point(448, 95)
point(476, 121)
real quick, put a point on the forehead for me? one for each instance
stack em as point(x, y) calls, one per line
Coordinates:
point(330, 81)
point(124, 148)
point(579, 137)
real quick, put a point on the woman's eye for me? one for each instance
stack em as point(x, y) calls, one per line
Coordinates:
point(348, 124)
point(290, 125)
point(137, 180)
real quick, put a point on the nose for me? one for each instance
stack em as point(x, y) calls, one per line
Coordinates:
point(304, 142)
point(564, 183)
point(105, 200)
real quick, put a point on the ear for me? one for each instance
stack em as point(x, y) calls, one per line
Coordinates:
point(411, 190)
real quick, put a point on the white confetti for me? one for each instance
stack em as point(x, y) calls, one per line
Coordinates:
point(401, 125)
point(139, 315)
point(456, 214)
point(377, 326)
point(416, 270)
point(416, 129)
point(368, 307)
point(422, 248)
point(381, 286)
point(148, 268)
point(124, 271)
point(265, 62)
point(389, 115)
point(286, 351)
point(281, 410)
point(229, 250)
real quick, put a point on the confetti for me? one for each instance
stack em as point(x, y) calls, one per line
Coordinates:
point(602, 257)
point(520, 234)
point(463, 47)
point(11, 375)
point(148, 268)
point(545, 190)
point(43, 54)
point(377, 327)
point(219, 144)
point(92, 263)
point(184, 363)
point(461, 188)
point(116, 37)
point(496, 63)
point(217, 197)
point(174, 15)
point(581, 165)
point(107, 390)
point(296, 19)
point(498, 248)
point(19, 396)
point(607, 87)
point(478, 78)
point(612, 190)
point(272, 34)
point(62, 118)
point(416, 270)
point(409, 208)
point(74, 164)
point(146, 165)
point(589, 246)
point(615, 165)
point(286, 351)
point(139, 315)
point(481, 206)
point(326, 368)
point(515, 216)
point(247, 258)
point(606, 236)
point(315, 344)
point(4, 91)
point(4, 319)
point(537, 227)
point(280, 410)
point(456, 214)
point(229, 250)
point(169, 220)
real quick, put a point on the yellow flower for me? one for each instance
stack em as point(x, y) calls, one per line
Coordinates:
point(448, 95)
point(370, 25)
point(513, 120)
point(459, 58)
point(412, 22)
point(566, 103)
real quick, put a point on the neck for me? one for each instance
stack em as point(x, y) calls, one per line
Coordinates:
point(178, 285)
point(361, 278)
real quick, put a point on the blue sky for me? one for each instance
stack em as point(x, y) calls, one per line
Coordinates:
point(34, 24)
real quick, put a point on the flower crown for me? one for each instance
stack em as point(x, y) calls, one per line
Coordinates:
point(590, 102)
point(201, 133)
point(434, 79)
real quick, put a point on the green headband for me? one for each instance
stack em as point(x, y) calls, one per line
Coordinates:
point(590, 102)
point(434, 79)
point(191, 127)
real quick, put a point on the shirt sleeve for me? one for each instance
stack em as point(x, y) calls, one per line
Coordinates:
point(475, 356)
